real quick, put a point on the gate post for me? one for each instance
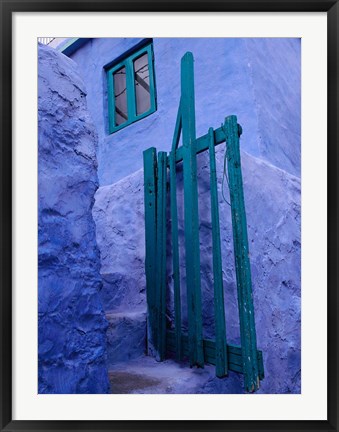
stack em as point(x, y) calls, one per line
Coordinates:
point(221, 360)
point(150, 195)
point(191, 213)
point(160, 294)
point(241, 255)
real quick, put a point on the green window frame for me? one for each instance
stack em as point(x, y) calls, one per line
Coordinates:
point(127, 65)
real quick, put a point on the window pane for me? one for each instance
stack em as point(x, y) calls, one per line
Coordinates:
point(120, 96)
point(142, 90)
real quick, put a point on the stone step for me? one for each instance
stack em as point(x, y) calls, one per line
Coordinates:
point(122, 291)
point(126, 335)
point(144, 375)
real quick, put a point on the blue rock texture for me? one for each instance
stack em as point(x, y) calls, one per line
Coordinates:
point(272, 198)
point(257, 79)
point(126, 335)
point(72, 325)
point(119, 216)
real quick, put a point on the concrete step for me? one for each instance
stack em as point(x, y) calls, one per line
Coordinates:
point(126, 335)
point(122, 291)
point(144, 375)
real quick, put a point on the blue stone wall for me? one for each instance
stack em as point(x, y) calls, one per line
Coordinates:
point(272, 199)
point(256, 79)
point(259, 81)
point(72, 325)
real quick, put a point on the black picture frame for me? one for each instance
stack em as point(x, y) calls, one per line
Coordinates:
point(6, 9)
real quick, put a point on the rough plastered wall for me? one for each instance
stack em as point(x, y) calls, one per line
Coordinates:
point(256, 79)
point(72, 326)
point(259, 81)
point(273, 216)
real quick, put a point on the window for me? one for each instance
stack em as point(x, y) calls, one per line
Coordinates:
point(131, 89)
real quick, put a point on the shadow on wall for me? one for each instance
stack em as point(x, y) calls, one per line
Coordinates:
point(72, 325)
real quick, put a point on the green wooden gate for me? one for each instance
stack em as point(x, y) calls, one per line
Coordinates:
point(245, 359)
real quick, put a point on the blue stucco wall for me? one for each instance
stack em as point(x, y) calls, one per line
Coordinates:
point(256, 79)
point(273, 216)
point(259, 81)
point(72, 325)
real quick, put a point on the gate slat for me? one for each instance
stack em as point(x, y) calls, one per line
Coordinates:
point(161, 257)
point(201, 143)
point(175, 254)
point(192, 244)
point(177, 129)
point(150, 165)
point(219, 308)
point(241, 255)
